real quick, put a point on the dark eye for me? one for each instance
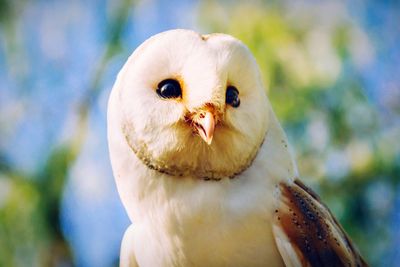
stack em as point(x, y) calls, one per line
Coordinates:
point(232, 96)
point(169, 88)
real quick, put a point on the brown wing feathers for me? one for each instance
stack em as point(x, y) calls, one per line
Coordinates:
point(311, 230)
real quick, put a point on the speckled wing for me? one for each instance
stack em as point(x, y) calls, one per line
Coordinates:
point(307, 234)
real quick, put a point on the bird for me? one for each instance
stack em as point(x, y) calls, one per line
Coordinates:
point(203, 167)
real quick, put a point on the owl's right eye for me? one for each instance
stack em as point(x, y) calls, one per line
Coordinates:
point(169, 88)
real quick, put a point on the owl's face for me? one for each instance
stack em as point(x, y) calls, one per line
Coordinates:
point(193, 105)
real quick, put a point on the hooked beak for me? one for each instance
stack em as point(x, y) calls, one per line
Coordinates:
point(205, 125)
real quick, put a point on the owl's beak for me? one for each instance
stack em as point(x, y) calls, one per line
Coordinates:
point(205, 125)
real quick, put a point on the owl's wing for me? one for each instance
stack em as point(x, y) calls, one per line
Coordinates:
point(127, 255)
point(307, 234)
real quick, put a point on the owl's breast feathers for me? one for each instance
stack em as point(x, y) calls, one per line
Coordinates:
point(306, 232)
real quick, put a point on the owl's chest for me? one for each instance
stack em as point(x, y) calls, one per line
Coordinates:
point(220, 229)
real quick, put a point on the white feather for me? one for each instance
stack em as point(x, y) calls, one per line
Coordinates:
point(127, 256)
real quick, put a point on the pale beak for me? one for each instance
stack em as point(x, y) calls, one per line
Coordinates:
point(205, 125)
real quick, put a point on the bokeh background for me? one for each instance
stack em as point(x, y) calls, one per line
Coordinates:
point(332, 69)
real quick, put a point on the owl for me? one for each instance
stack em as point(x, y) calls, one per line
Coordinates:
point(203, 167)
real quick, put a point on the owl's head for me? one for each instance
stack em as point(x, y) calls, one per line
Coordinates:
point(191, 104)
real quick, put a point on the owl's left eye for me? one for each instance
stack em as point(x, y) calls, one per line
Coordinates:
point(232, 96)
point(169, 88)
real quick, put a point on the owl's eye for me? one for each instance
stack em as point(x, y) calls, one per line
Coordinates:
point(232, 96)
point(169, 88)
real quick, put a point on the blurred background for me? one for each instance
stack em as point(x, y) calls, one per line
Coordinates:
point(332, 69)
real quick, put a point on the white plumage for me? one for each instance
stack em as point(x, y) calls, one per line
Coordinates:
point(197, 203)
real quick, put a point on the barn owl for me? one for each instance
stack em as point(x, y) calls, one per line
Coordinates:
point(203, 167)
